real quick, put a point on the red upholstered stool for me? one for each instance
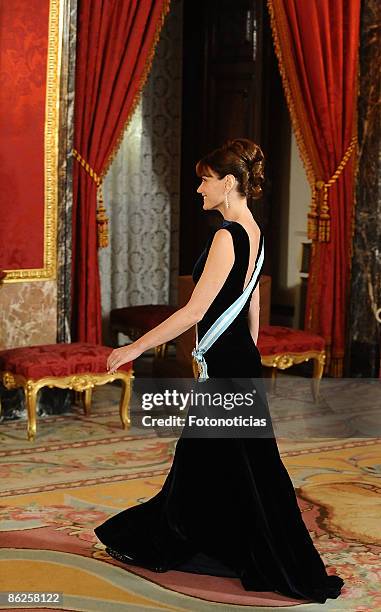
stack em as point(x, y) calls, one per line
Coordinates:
point(134, 321)
point(79, 366)
point(281, 347)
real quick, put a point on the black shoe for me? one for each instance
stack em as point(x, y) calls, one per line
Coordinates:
point(119, 556)
point(132, 560)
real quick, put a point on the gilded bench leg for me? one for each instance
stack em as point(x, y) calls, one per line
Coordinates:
point(31, 390)
point(319, 362)
point(86, 400)
point(274, 372)
point(124, 406)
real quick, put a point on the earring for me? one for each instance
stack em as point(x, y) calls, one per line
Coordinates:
point(226, 200)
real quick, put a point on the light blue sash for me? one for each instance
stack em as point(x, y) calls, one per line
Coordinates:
point(224, 320)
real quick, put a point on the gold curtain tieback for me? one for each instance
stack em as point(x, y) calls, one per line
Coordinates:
point(319, 217)
point(102, 219)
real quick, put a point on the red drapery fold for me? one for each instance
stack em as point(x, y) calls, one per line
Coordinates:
point(115, 46)
point(316, 44)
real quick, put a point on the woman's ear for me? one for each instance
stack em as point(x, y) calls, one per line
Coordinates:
point(230, 181)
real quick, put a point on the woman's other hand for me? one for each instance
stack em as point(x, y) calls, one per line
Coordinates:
point(122, 355)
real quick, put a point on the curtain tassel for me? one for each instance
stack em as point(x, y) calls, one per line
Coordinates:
point(324, 221)
point(102, 221)
point(319, 220)
point(312, 218)
point(101, 216)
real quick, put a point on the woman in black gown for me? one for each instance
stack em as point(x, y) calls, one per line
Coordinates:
point(227, 506)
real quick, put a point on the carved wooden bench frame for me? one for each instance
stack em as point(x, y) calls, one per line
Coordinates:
point(282, 361)
point(81, 383)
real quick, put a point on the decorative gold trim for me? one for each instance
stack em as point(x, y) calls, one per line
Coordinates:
point(143, 79)
point(49, 270)
point(286, 360)
point(83, 383)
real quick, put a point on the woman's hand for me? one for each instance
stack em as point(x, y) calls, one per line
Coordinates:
point(122, 355)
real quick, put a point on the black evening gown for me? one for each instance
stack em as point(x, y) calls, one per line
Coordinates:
point(227, 506)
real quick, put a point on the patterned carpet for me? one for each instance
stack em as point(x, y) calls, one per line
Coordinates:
point(81, 470)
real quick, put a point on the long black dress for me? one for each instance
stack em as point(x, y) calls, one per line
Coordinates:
point(227, 506)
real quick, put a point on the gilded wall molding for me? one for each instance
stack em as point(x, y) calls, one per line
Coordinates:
point(49, 269)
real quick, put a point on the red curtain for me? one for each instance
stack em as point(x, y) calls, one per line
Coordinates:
point(317, 47)
point(115, 46)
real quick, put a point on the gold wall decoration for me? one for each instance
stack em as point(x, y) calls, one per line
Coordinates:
point(48, 271)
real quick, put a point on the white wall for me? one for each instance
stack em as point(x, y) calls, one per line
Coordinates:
point(296, 232)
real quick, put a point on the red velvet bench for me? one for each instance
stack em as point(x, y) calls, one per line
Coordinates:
point(281, 347)
point(134, 321)
point(79, 366)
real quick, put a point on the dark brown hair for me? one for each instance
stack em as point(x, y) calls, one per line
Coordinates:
point(240, 157)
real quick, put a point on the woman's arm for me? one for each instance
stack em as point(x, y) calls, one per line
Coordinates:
point(219, 262)
point(254, 314)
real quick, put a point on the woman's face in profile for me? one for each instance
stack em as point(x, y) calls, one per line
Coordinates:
point(212, 190)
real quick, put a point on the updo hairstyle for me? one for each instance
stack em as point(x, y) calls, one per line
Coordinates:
point(240, 157)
